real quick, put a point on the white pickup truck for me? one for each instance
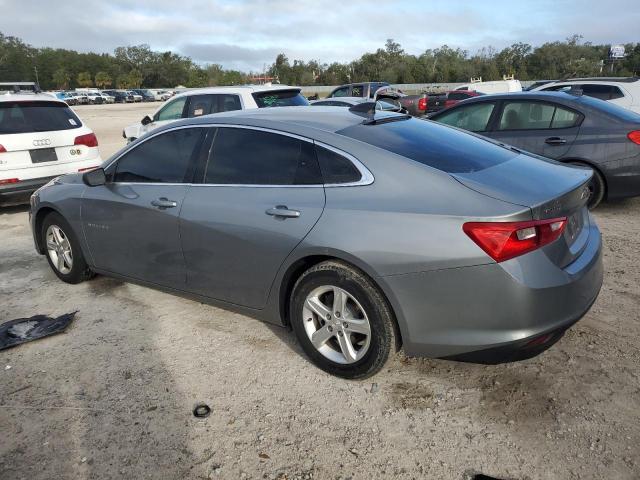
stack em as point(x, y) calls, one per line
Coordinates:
point(205, 101)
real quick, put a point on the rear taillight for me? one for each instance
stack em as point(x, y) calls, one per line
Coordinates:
point(7, 181)
point(2, 149)
point(88, 140)
point(505, 240)
point(422, 104)
point(634, 136)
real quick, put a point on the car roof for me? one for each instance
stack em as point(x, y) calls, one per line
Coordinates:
point(289, 119)
point(600, 79)
point(561, 97)
point(29, 97)
point(237, 89)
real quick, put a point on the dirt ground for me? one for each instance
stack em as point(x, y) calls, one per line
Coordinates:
point(113, 396)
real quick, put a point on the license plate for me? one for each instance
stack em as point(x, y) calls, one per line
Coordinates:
point(43, 155)
point(574, 226)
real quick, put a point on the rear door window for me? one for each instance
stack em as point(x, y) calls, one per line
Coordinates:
point(243, 156)
point(603, 92)
point(206, 104)
point(458, 96)
point(536, 116)
point(36, 116)
point(474, 118)
point(165, 158)
point(357, 91)
point(279, 98)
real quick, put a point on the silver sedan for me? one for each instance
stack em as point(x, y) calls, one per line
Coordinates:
point(362, 231)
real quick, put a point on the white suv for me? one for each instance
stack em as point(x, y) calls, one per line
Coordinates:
point(40, 139)
point(205, 101)
point(619, 90)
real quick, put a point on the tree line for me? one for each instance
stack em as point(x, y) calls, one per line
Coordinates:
point(139, 66)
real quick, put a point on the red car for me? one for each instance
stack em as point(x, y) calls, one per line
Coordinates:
point(456, 96)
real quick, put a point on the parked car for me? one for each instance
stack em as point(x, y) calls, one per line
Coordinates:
point(455, 96)
point(415, 104)
point(624, 92)
point(146, 95)
point(494, 86)
point(572, 129)
point(81, 97)
point(195, 103)
point(40, 138)
point(106, 98)
point(120, 96)
point(373, 233)
point(95, 97)
point(65, 97)
point(538, 83)
point(160, 95)
point(136, 96)
point(351, 101)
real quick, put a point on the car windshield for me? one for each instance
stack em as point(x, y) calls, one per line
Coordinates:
point(431, 144)
point(280, 98)
point(36, 116)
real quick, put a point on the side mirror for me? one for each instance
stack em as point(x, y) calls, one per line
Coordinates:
point(94, 178)
point(147, 120)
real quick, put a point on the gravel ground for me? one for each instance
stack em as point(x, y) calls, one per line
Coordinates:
point(112, 397)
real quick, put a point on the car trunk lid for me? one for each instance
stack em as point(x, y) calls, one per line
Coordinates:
point(549, 189)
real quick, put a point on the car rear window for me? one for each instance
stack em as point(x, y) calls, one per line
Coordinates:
point(28, 117)
point(432, 144)
point(280, 98)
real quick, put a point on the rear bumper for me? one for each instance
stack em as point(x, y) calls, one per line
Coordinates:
point(622, 177)
point(496, 312)
point(19, 191)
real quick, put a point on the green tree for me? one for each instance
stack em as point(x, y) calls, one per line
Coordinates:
point(103, 80)
point(61, 79)
point(84, 79)
point(134, 78)
point(123, 82)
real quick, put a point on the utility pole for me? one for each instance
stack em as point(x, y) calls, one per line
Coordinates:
point(35, 69)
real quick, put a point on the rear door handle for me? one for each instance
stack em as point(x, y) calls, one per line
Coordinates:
point(555, 141)
point(282, 211)
point(163, 203)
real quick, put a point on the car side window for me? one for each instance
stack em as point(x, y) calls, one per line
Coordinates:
point(335, 168)
point(213, 103)
point(243, 156)
point(341, 92)
point(536, 116)
point(458, 96)
point(603, 92)
point(474, 118)
point(165, 158)
point(357, 91)
point(172, 110)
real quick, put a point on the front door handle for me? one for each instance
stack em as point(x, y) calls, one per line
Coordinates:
point(282, 211)
point(163, 203)
point(555, 141)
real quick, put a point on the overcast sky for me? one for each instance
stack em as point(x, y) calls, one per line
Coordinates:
point(246, 34)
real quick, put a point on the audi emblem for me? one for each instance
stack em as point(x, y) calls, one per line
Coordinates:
point(41, 143)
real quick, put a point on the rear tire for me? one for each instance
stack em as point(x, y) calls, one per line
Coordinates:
point(347, 317)
point(62, 250)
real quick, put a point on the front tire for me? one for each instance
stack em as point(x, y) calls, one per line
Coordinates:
point(342, 321)
point(62, 250)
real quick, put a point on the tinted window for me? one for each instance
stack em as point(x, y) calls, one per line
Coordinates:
point(535, 116)
point(458, 96)
point(603, 92)
point(28, 117)
point(205, 104)
point(610, 109)
point(432, 144)
point(253, 157)
point(279, 98)
point(341, 92)
point(471, 117)
point(172, 110)
point(331, 103)
point(357, 91)
point(165, 158)
point(336, 168)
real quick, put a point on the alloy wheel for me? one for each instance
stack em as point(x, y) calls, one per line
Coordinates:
point(59, 249)
point(336, 324)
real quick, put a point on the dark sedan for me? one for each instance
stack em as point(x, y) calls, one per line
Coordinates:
point(570, 128)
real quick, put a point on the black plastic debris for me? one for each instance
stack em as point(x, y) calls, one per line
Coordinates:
point(202, 410)
point(24, 330)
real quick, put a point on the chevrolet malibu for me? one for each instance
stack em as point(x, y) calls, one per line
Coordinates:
point(362, 233)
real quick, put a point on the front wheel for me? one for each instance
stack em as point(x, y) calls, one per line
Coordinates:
point(342, 321)
point(63, 250)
